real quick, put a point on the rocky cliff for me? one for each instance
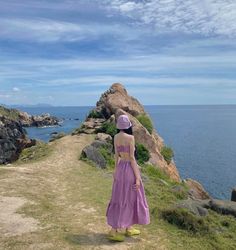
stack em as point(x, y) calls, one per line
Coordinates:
point(28, 120)
point(13, 137)
point(13, 140)
point(116, 101)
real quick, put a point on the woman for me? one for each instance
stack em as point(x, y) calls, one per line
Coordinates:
point(128, 203)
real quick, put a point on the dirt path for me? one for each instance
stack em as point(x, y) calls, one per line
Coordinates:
point(59, 203)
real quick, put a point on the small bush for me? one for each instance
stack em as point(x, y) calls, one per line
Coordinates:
point(78, 130)
point(142, 153)
point(146, 122)
point(167, 153)
point(108, 157)
point(184, 219)
point(108, 128)
point(95, 114)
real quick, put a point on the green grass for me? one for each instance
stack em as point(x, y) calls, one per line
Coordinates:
point(94, 114)
point(12, 114)
point(35, 153)
point(108, 157)
point(143, 154)
point(108, 128)
point(184, 219)
point(183, 229)
point(214, 231)
point(167, 153)
point(146, 122)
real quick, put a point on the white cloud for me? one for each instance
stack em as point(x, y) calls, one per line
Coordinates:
point(48, 30)
point(5, 96)
point(15, 89)
point(207, 17)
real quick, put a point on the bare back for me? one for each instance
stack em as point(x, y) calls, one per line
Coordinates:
point(125, 141)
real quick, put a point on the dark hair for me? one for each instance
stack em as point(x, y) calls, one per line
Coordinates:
point(127, 131)
point(130, 132)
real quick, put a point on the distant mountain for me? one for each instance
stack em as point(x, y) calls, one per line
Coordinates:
point(30, 105)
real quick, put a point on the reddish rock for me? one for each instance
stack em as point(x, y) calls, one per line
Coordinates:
point(116, 101)
point(196, 190)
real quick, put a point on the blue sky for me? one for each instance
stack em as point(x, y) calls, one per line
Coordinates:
point(164, 51)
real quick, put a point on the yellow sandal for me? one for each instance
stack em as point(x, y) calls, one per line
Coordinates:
point(132, 231)
point(116, 236)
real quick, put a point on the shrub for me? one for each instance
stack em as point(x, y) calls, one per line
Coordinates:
point(95, 114)
point(108, 128)
point(78, 130)
point(108, 157)
point(167, 153)
point(146, 122)
point(184, 219)
point(142, 153)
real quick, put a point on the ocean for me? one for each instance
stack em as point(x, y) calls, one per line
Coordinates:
point(203, 138)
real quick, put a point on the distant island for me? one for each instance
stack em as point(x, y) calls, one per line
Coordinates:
point(38, 105)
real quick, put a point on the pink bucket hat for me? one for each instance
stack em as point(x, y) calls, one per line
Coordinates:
point(123, 122)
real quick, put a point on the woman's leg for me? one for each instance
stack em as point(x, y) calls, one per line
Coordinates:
point(113, 230)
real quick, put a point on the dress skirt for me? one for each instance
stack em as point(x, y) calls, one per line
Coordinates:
point(127, 206)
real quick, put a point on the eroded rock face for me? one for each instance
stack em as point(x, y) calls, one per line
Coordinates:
point(196, 190)
point(117, 97)
point(116, 101)
point(223, 206)
point(103, 137)
point(199, 207)
point(37, 120)
point(13, 140)
point(28, 120)
point(92, 152)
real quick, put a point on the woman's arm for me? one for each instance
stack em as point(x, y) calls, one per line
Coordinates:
point(116, 156)
point(133, 160)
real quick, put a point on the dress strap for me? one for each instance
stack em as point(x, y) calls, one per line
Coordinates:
point(123, 148)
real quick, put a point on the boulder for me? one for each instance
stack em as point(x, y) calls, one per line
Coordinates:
point(103, 137)
point(223, 206)
point(13, 140)
point(196, 190)
point(92, 153)
point(197, 207)
point(99, 144)
point(233, 195)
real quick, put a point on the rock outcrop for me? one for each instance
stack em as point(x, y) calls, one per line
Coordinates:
point(28, 120)
point(37, 120)
point(13, 140)
point(199, 207)
point(92, 152)
point(116, 101)
point(196, 190)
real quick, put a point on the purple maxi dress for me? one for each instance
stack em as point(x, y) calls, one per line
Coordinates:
point(127, 206)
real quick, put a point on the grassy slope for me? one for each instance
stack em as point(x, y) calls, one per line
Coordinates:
point(70, 198)
point(10, 113)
